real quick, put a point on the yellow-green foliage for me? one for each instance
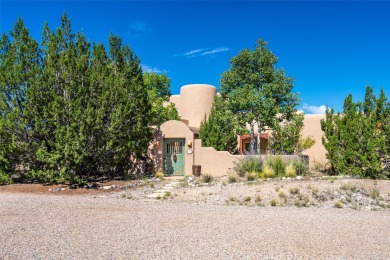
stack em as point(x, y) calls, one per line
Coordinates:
point(159, 174)
point(290, 171)
point(267, 172)
point(250, 176)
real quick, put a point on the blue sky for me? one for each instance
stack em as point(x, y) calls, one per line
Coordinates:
point(330, 48)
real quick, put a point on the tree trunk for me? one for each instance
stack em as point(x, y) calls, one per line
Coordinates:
point(258, 136)
point(252, 149)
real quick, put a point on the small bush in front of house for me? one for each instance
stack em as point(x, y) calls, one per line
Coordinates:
point(301, 167)
point(159, 174)
point(248, 164)
point(267, 172)
point(207, 178)
point(232, 178)
point(250, 176)
point(290, 171)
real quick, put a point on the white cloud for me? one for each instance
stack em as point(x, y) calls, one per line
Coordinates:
point(146, 68)
point(202, 52)
point(193, 52)
point(216, 50)
point(314, 109)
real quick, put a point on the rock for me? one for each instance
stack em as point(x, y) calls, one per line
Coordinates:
point(56, 190)
point(299, 177)
point(63, 189)
point(106, 187)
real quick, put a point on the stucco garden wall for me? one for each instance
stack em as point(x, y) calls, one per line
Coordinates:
point(215, 163)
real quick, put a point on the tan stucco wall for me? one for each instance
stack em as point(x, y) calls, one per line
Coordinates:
point(215, 163)
point(176, 129)
point(175, 99)
point(196, 101)
point(312, 126)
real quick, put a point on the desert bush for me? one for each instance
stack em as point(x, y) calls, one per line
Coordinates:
point(159, 174)
point(273, 202)
point(250, 176)
point(207, 178)
point(267, 172)
point(278, 164)
point(232, 179)
point(294, 191)
point(248, 164)
point(290, 171)
point(301, 167)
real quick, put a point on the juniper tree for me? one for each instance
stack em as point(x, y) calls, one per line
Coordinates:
point(220, 129)
point(356, 139)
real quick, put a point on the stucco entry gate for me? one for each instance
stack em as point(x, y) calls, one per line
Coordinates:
point(174, 156)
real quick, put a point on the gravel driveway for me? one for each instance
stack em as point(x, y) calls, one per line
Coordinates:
point(87, 227)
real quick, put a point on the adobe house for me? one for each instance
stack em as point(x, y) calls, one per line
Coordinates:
point(176, 147)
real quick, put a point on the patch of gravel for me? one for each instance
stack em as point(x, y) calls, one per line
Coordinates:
point(109, 227)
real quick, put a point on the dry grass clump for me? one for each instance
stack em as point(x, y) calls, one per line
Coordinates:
point(290, 171)
point(159, 174)
point(267, 172)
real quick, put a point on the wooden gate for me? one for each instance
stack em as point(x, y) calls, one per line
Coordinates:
point(174, 156)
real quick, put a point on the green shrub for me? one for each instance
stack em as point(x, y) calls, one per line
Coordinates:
point(273, 202)
point(277, 163)
point(248, 164)
point(5, 178)
point(301, 167)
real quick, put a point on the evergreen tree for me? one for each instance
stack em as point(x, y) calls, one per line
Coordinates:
point(356, 139)
point(69, 110)
point(219, 130)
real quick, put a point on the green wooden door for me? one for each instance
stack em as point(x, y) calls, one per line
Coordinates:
point(174, 153)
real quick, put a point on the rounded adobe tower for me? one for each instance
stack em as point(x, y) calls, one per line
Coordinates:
point(196, 101)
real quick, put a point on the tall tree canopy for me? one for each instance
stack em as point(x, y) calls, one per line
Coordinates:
point(358, 139)
point(71, 109)
point(257, 91)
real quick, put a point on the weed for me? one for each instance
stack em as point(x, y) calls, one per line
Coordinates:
point(232, 179)
point(257, 198)
point(159, 174)
point(374, 193)
point(207, 178)
point(349, 187)
point(301, 167)
point(247, 199)
point(152, 185)
point(232, 199)
point(338, 205)
point(283, 196)
point(167, 194)
point(211, 193)
point(123, 196)
point(297, 203)
point(273, 202)
point(294, 191)
point(314, 192)
point(277, 188)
